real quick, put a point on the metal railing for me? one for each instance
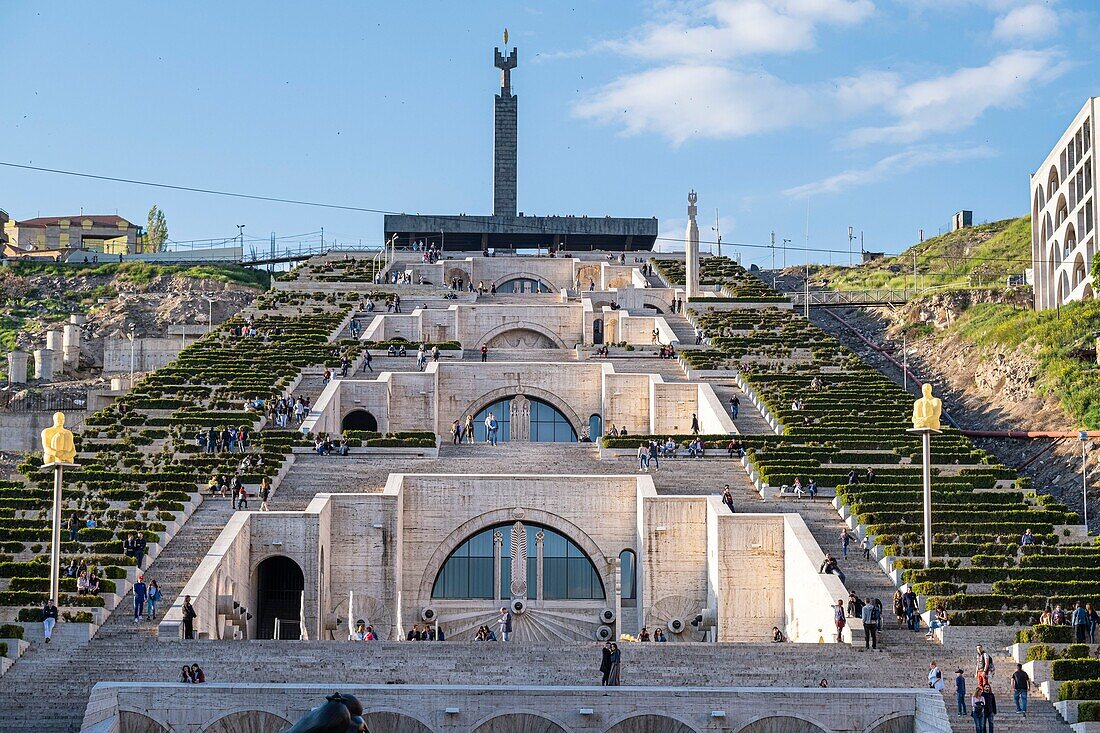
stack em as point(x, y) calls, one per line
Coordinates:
point(853, 297)
point(43, 402)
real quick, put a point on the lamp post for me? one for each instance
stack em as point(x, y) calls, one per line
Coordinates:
point(58, 451)
point(926, 421)
point(209, 313)
point(240, 233)
point(1084, 438)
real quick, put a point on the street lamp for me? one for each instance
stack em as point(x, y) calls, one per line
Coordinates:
point(240, 233)
point(1084, 438)
point(58, 451)
point(130, 335)
point(209, 313)
point(926, 421)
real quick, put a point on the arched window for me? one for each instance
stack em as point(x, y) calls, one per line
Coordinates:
point(502, 411)
point(595, 427)
point(629, 575)
point(546, 423)
point(567, 573)
point(550, 426)
point(523, 285)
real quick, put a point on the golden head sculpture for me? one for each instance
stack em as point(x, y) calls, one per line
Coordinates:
point(927, 410)
point(57, 442)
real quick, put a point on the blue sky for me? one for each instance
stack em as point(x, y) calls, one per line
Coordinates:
point(886, 115)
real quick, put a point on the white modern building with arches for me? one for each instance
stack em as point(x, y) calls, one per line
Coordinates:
point(1064, 212)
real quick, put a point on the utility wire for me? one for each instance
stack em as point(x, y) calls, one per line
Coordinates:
point(368, 210)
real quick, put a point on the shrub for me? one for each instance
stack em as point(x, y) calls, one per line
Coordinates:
point(1075, 669)
point(1079, 690)
point(1041, 652)
point(1049, 634)
point(11, 631)
point(1088, 711)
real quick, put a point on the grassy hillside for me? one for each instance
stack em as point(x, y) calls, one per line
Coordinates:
point(33, 294)
point(1063, 343)
point(983, 254)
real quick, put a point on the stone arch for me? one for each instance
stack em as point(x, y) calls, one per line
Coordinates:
point(503, 393)
point(520, 722)
point(359, 419)
point(650, 723)
point(471, 527)
point(524, 276)
point(1061, 211)
point(657, 303)
point(1052, 181)
point(453, 272)
point(131, 721)
point(1086, 292)
point(892, 723)
point(248, 721)
point(1069, 240)
point(1079, 272)
point(506, 328)
point(783, 724)
point(392, 721)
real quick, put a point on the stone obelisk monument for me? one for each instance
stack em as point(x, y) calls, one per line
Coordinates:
point(504, 135)
point(691, 247)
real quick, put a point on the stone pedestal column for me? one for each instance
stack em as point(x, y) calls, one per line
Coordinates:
point(78, 319)
point(691, 248)
point(43, 365)
point(17, 367)
point(71, 345)
point(55, 343)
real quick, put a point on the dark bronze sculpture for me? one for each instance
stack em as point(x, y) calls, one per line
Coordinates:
point(340, 714)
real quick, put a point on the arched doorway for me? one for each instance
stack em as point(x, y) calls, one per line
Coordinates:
point(527, 419)
point(900, 724)
point(595, 427)
point(279, 587)
point(359, 420)
point(391, 722)
point(782, 724)
point(248, 721)
point(131, 722)
point(597, 331)
point(519, 723)
point(650, 724)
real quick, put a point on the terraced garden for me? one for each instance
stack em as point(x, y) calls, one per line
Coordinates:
point(735, 281)
point(838, 416)
point(139, 467)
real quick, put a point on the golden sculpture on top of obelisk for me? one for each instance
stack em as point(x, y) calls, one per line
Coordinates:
point(505, 36)
point(57, 442)
point(927, 410)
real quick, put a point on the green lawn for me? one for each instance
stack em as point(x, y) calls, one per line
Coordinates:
point(1062, 341)
point(980, 255)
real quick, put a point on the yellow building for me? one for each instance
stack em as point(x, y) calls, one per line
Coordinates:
point(51, 236)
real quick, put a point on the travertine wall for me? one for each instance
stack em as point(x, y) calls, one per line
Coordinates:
point(149, 353)
point(673, 535)
point(446, 391)
point(510, 325)
point(376, 557)
point(163, 707)
point(745, 555)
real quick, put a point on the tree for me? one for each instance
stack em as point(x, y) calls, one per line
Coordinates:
point(156, 230)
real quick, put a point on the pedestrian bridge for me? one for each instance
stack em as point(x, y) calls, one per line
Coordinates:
point(853, 298)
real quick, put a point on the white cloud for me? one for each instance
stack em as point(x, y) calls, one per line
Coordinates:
point(682, 102)
point(956, 100)
point(891, 165)
point(686, 101)
point(737, 28)
point(1027, 23)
